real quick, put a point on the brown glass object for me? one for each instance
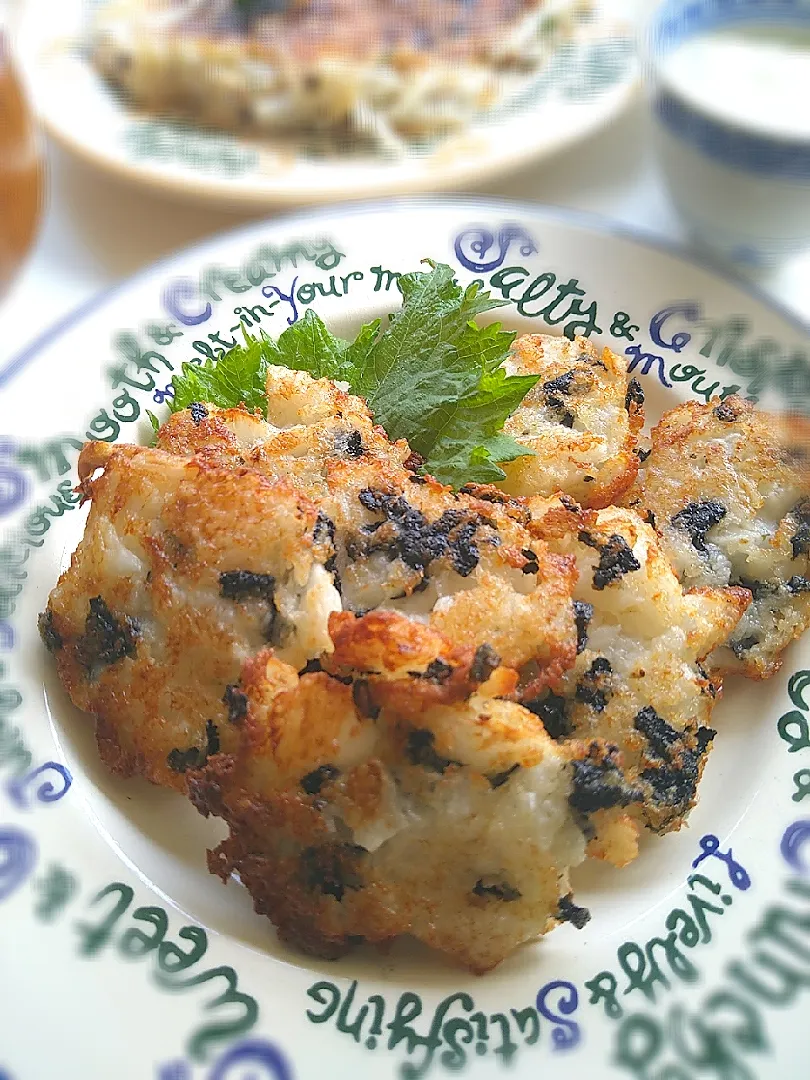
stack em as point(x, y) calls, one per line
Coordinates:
point(21, 172)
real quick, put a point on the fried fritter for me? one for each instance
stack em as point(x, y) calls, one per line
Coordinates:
point(637, 681)
point(185, 570)
point(400, 541)
point(235, 533)
point(457, 825)
point(728, 488)
point(581, 420)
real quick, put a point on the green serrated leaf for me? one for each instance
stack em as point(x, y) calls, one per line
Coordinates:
point(431, 375)
point(309, 346)
point(237, 377)
point(153, 420)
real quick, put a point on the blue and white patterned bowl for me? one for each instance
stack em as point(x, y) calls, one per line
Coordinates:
point(743, 189)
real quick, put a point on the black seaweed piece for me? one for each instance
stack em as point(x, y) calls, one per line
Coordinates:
point(484, 663)
point(418, 541)
point(642, 454)
point(364, 702)
point(436, 671)
point(194, 757)
point(106, 639)
point(599, 785)
point(567, 419)
point(463, 550)
point(583, 613)
point(314, 781)
point(568, 911)
point(498, 779)
point(333, 868)
point(743, 645)
point(659, 734)
point(500, 890)
point(311, 667)
point(676, 757)
point(563, 384)
point(211, 739)
point(245, 585)
point(758, 589)
point(181, 760)
point(531, 566)
point(800, 540)
point(616, 559)
point(350, 443)
point(236, 702)
point(198, 412)
point(421, 751)
point(697, 519)
point(593, 689)
point(51, 637)
point(798, 584)
point(635, 394)
point(726, 412)
point(553, 711)
point(324, 529)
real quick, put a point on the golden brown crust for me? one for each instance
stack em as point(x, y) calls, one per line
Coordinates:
point(582, 421)
point(726, 485)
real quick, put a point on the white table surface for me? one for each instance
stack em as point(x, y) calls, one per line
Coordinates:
point(98, 230)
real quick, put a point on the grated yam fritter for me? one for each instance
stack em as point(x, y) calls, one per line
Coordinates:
point(728, 488)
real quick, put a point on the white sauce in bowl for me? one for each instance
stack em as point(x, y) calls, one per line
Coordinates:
point(757, 77)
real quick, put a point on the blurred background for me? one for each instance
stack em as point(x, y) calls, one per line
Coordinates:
point(131, 128)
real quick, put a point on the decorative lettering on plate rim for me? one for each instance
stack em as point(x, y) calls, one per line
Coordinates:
point(646, 972)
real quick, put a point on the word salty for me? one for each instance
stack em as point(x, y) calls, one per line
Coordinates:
point(719, 1031)
point(649, 967)
point(453, 1025)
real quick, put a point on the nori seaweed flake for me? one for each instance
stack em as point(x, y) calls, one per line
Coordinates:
point(616, 559)
point(107, 638)
point(333, 868)
point(697, 519)
point(236, 702)
point(553, 711)
point(568, 911)
point(497, 890)
point(422, 751)
point(599, 784)
point(635, 394)
point(245, 585)
point(583, 613)
point(315, 780)
point(51, 637)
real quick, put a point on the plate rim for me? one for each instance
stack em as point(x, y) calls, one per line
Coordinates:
point(203, 188)
point(601, 224)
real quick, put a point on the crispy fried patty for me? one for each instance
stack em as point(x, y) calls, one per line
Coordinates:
point(637, 681)
point(581, 420)
point(321, 647)
point(728, 489)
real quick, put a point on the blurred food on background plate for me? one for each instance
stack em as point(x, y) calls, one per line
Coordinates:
point(373, 74)
point(20, 172)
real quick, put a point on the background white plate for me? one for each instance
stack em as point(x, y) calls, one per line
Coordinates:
point(74, 940)
point(591, 84)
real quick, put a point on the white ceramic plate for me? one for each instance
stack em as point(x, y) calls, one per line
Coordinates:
point(585, 86)
point(123, 958)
